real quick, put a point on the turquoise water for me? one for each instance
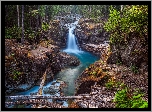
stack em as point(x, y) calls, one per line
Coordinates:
point(71, 74)
point(32, 90)
point(35, 89)
point(68, 75)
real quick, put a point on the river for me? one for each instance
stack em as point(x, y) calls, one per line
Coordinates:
point(68, 75)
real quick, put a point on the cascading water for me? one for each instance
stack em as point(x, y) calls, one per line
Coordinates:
point(69, 75)
point(72, 46)
point(71, 41)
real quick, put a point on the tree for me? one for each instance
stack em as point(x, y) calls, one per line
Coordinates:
point(37, 24)
point(18, 16)
point(22, 39)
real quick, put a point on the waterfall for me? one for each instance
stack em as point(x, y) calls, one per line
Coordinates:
point(72, 46)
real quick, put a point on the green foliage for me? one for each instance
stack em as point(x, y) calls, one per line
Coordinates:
point(112, 84)
point(16, 74)
point(42, 10)
point(133, 19)
point(124, 99)
point(121, 99)
point(34, 12)
point(113, 21)
point(93, 73)
point(134, 69)
point(109, 84)
point(137, 101)
point(113, 26)
point(13, 32)
point(45, 26)
point(29, 33)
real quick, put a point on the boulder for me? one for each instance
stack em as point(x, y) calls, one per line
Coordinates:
point(133, 53)
point(87, 31)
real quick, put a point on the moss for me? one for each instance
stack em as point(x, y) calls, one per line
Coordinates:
point(16, 74)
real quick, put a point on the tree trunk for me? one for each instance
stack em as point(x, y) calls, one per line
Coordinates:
point(121, 8)
point(22, 39)
point(18, 16)
point(37, 17)
point(121, 13)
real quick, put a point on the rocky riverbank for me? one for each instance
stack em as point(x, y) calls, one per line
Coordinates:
point(91, 35)
point(102, 73)
point(89, 31)
point(96, 49)
point(100, 97)
point(25, 64)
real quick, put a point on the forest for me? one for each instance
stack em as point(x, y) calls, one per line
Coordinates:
point(76, 56)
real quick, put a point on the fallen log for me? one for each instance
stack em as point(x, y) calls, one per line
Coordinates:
point(25, 97)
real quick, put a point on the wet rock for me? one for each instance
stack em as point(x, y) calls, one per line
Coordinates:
point(26, 66)
point(97, 49)
point(35, 93)
point(51, 90)
point(88, 31)
point(68, 60)
point(23, 87)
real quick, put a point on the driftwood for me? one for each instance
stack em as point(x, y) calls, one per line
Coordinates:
point(95, 99)
point(25, 97)
point(42, 84)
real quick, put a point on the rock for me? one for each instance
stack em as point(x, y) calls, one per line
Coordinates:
point(51, 90)
point(23, 87)
point(113, 59)
point(34, 93)
point(32, 63)
point(68, 60)
point(88, 31)
point(96, 49)
point(133, 53)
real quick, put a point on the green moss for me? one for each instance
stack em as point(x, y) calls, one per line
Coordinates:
point(16, 74)
point(109, 84)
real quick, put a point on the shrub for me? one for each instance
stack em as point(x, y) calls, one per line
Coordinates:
point(109, 84)
point(13, 32)
point(120, 24)
point(45, 26)
point(112, 84)
point(124, 99)
point(16, 74)
point(134, 69)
